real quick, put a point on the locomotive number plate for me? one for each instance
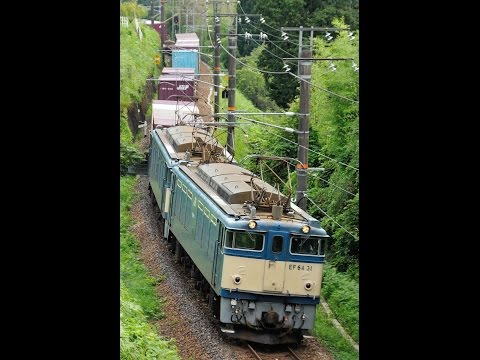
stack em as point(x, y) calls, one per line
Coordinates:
point(300, 267)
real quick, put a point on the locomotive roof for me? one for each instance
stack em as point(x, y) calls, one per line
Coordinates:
point(228, 184)
point(233, 183)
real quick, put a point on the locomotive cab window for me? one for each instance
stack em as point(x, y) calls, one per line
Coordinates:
point(312, 245)
point(244, 240)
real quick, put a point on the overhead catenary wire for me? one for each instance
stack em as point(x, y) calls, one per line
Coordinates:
point(271, 27)
point(336, 186)
point(271, 72)
point(251, 67)
point(326, 90)
point(316, 152)
point(288, 72)
point(323, 211)
point(265, 48)
point(270, 41)
point(290, 141)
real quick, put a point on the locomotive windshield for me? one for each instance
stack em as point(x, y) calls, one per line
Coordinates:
point(244, 240)
point(312, 245)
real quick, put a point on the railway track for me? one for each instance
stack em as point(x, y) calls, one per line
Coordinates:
point(280, 353)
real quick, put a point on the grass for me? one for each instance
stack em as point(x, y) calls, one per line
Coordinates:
point(136, 65)
point(138, 338)
point(138, 300)
point(331, 338)
point(132, 272)
point(342, 295)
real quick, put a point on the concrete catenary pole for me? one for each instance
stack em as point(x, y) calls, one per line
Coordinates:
point(216, 58)
point(305, 70)
point(162, 29)
point(151, 11)
point(232, 74)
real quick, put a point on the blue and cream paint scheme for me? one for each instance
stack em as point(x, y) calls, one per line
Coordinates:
point(269, 282)
point(257, 281)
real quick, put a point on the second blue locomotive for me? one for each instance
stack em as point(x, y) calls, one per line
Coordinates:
point(256, 256)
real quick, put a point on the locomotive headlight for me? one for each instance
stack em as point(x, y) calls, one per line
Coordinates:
point(237, 279)
point(305, 229)
point(308, 286)
point(252, 224)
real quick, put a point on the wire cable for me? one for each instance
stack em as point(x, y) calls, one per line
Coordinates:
point(318, 207)
point(265, 48)
point(293, 142)
point(326, 90)
point(280, 31)
point(251, 67)
point(338, 187)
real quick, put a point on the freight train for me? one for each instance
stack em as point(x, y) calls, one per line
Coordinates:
point(256, 256)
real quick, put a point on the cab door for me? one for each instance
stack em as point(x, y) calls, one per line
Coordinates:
point(274, 273)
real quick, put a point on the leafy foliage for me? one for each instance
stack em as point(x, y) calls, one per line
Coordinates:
point(252, 83)
point(341, 293)
point(138, 338)
point(131, 10)
point(136, 62)
point(136, 65)
point(336, 121)
point(132, 272)
point(331, 338)
point(292, 13)
point(129, 156)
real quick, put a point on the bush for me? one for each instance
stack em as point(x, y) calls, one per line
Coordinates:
point(129, 156)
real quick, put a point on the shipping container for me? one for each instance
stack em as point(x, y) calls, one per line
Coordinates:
point(185, 59)
point(166, 113)
point(176, 86)
point(187, 45)
point(187, 40)
point(172, 70)
point(160, 27)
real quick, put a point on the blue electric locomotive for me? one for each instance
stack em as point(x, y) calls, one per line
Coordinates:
point(257, 257)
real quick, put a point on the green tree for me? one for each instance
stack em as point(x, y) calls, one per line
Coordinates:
point(252, 83)
point(131, 10)
point(291, 13)
point(336, 121)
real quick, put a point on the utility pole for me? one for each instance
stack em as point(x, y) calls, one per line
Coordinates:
point(151, 11)
point(305, 73)
point(173, 19)
point(162, 29)
point(232, 73)
point(216, 58)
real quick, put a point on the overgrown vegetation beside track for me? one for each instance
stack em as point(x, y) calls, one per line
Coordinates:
point(138, 299)
point(341, 294)
point(136, 65)
point(330, 337)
